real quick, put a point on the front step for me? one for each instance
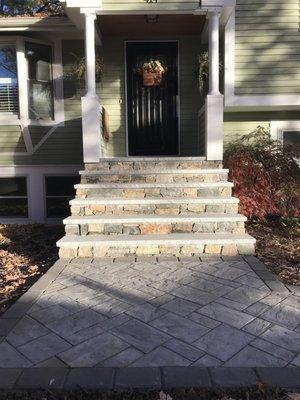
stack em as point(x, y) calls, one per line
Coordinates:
point(152, 176)
point(146, 225)
point(152, 163)
point(188, 244)
point(155, 206)
point(142, 190)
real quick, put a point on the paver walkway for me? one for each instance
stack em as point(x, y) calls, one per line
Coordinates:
point(150, 312)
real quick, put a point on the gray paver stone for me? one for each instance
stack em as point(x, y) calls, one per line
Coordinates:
point(161, 357)
point(140, 335)
point(208, 361)
point(280, 377)
point(90, 378)
point(283, 337)
point(93, 351)
point(146, 312)
point(184, 349)
point(138, 378)
point(287, 316)
point(224, 314)
point(223, 342)
point(252, 357)
point(123, 359)
point(46, 378)
point(11, 358)
point(187, 377)
point(8, 377)
point(179, 327)
point(26, 329)
point(43, 348)
point(233, 377)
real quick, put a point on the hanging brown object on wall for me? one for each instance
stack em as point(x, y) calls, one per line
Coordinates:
point(152, 73)
point(105, 125)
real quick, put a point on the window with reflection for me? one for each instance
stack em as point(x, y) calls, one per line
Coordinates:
point(9, 101)
point(13, 197)
point(59, 191)
point(40, 81)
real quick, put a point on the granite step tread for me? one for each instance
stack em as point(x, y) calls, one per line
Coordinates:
point(149, 200)
point(172, 185)
point(141, 219)
point(156, 239)
point(155, 172)
point(151, 159)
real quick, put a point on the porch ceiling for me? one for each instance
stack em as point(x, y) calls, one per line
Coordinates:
point(136, 25)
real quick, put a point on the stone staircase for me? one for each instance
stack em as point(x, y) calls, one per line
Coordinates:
point(154, 206)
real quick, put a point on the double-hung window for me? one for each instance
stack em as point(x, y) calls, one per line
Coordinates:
point(39, 81)
point(28, 86)
point(9, 94)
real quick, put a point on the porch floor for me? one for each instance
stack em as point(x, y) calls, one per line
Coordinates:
point(156, 312)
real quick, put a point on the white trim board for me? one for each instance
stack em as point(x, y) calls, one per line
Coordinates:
point(278, 127)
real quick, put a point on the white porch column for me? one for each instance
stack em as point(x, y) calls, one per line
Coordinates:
point(214, 101)
point(213, 50)
point(91, 130)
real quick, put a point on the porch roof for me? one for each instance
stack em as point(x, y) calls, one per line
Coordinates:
point(27, 23)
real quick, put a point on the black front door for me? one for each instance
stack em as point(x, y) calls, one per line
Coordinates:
point(152, 104)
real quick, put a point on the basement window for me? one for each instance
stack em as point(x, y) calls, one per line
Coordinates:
point(13, 197)
point(59, 191)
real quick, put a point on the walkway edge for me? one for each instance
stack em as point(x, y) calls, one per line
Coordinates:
point(146, 378)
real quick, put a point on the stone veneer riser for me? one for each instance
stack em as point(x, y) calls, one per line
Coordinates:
point(156, 209)
point(156, 250)
point(160, 192)
point(154, 178)
point(146, 228)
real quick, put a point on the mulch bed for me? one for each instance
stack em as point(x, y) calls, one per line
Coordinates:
point(26, 253)
point(176, 394)
point(278, 246)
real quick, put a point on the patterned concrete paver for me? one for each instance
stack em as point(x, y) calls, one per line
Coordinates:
point(154, 312)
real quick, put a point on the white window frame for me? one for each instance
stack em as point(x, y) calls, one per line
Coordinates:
point(57, 80)
point(278, 127)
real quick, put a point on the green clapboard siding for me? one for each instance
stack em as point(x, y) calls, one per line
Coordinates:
point(11, 139)
point(142, 5)
point(112, 94)
point(267, 47)
point(239, 124)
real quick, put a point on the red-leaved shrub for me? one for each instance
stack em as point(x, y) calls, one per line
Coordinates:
point(266, 175)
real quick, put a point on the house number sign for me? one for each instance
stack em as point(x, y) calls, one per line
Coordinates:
point(151, 1)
